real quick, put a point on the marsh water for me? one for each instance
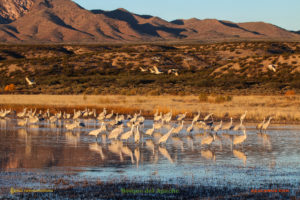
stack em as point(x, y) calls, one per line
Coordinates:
point(39, 155)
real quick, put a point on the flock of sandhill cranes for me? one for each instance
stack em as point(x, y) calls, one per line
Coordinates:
point(155, 70)
point(113, 126)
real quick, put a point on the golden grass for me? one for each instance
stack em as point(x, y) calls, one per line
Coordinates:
point(284, 109)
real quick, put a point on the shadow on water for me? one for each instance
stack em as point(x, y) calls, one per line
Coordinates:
point(201, 157)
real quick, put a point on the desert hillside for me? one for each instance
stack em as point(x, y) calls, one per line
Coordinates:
point(63, 21)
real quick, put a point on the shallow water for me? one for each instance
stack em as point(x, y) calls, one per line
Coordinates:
point(38, 155)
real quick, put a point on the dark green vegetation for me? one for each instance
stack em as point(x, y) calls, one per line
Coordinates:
point(236, 67)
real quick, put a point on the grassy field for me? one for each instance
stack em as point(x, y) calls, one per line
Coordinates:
point(284, 109)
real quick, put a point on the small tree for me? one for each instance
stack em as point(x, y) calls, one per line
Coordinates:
point(9, 88)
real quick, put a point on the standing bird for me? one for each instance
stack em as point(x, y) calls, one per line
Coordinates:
point(266, 125)
point(228, 126)
point(165, 137)
point(196, 118)
point(127, 135)
point(181, 116)
point(260, 125)
point(98, 131)
point(178, 128)
point(237, 139)
point(150, 131)
point(137, 135)
point(243, 116)
point(190, 128)
point(116, 132)
point(218, 127)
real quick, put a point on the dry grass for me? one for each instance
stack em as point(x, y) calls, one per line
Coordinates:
point(285, 109)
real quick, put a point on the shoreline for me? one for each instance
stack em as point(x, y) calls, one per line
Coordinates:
point(285, 110)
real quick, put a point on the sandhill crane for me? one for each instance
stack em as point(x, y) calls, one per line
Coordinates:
point(109, 115)
point(180, 117)
point(238, 139)
point(158, 117)
point(173, 71)
point(143, 70)
point(150, 131)
point(29, 82)
point(128, 134)
point(165, 137)
point(190, 128)
point(74, 125)
point(22, 114)
point(272, 68)
point(23, 122)
point(98, 131)
point(218, 127)
point(178, 128)
point(137, 135)
point(101, 116)
point(208, 139)
point(208, 116)
point(260, 125)
point(239, 126)
point(196, 118)
point(266, 125)
point(243, 116)
point(116, 132)
point(228, 126)
point(156, 70)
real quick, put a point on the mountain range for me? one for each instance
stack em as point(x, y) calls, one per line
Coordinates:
point(63, 21)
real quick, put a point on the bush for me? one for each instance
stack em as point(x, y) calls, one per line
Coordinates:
point(203, 97)
point(9, 88)
point(222, 99)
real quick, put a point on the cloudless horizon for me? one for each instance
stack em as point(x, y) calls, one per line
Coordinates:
point(284, 14)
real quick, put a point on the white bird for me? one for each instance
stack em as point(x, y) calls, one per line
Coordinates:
point(190, 128)
point(142, 69)
point(150, 131)
point(23, 122)
point(156, 70)
point(109, 115)
point(272, 68)
point(237, 139)
point(266, 125)
point(218, 127)
point(165, 137)
point(181, 116)
point(98, 131)
point(208, 139)
point(196, 118)
point(128, 134)
point(178, 128)
point(137, 135)
point(260, 125)
point(116, 132)
point(243, 116)
point(29, 82)
point(228, 126)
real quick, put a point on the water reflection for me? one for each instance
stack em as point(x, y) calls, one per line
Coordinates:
point(42, 147)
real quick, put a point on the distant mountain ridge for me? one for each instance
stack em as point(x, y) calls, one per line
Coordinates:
point(65, 21)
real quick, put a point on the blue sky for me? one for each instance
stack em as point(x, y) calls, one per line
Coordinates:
point(283, 13)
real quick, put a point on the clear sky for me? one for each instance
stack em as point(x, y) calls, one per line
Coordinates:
point(283, 13)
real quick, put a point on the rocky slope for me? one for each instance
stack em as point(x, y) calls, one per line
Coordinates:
point(65, 21)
